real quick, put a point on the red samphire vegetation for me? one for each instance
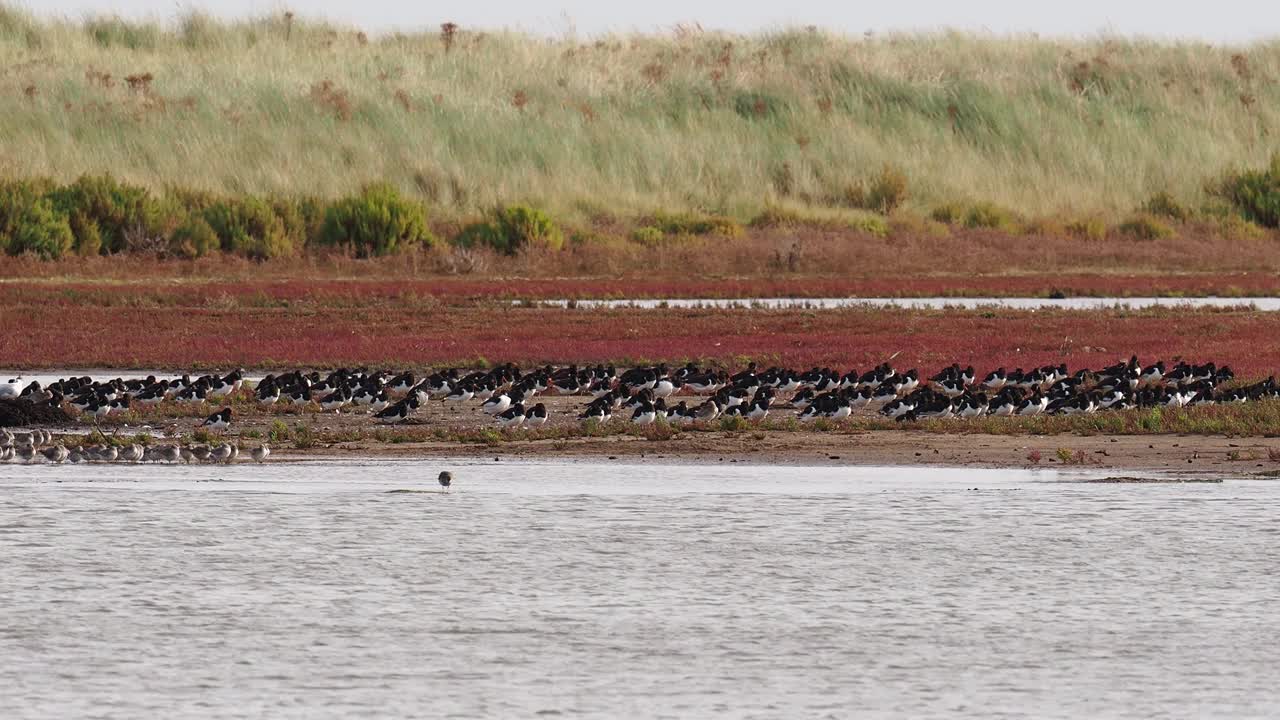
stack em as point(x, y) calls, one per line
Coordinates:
point(264, 326)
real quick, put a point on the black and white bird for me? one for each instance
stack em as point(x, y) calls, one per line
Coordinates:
point(513, 417)
point(536, 415)
point(399, 411)
point(220, 420)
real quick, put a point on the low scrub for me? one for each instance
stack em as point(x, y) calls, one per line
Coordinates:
point(29, 223)
point(512, 229)
point(378, 221)
point(117, 211)
point(821, 218)
point(1164, 205)
point(1093, 228)
point(1145, 227)
point(883, 192)
point(1255, 194)
point(887, 191)
point(990, 215)
point(250, 227)
point(194, 238)
point(976, 215)
point(694, 224)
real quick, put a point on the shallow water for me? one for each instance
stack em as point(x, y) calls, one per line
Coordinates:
point(1268, 304)
point(618, 590)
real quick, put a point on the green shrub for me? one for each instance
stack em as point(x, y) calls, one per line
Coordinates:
point(250, 227)
point(29, 222)
point(15, 198)
point(290, 213)
point(911, 225)
point(378, 221)
point(691, 224)
point(887, 191)
point(1163, 204)
point(88, 238)
point(511, 229)
point(43, 231)
point(194, 238)
point(774, 216)
point(1145, 227)
point(1234, 227)
point(1255, 194)
point(523, 226)
point(312, 211)
point(1088, 228)
point(279, 432)
point(990, 215)
point(870, 224)
point(1044, 227)
point(951, 213)
point(117, 208)
point(480, 234)
point(648, 236)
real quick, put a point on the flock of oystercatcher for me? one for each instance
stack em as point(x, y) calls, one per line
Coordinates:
point(688, 394)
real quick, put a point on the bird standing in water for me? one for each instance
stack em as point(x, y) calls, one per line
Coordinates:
point(446, 479)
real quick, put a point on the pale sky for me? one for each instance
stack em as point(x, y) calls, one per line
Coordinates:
point(1212, 20)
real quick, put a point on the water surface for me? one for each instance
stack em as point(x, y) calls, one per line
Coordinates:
point(1267, 304)
point(305, 590)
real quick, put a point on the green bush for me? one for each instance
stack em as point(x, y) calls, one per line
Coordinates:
point(1145, 227)
point(648, 236)
point(887, 191)
point(990, 215)
point(194, 238)
point(774, 216)
point(295, 225)
point(15, 198)
point(480, 234)
point(1255, 194)
point(511, 229)
point(1234, 227)
point(691, 224)
point(1088, 228)
point(250, 227)
point(870, 224)
point(88, 238)
point(30, 223)
point(116, 208)
point(376, 222)
point(40, 229)
point(950, 213)
point(1164, 205)
point(523, 226)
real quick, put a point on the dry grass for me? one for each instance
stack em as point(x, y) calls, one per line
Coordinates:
point(726, 124)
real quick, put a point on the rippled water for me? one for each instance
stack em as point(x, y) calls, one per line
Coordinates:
point(1268, 304)
point(612, 590)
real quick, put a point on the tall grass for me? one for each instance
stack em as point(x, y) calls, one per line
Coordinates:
point(724, 124)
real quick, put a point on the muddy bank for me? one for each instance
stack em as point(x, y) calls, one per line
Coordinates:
point(24, 413)
point(1133, 453)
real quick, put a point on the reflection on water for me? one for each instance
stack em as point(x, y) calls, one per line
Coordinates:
point(625, 590)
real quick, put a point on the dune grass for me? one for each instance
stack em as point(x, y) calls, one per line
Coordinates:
point(626, 125)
